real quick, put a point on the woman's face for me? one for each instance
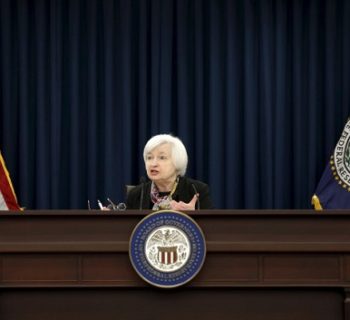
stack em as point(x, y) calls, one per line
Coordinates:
point(159, 164)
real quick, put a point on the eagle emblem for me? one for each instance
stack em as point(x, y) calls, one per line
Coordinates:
point(167, 249)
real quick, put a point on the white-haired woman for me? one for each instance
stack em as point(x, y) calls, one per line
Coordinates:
point(166, 161)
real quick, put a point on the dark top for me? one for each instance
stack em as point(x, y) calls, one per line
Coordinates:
point(184, 192)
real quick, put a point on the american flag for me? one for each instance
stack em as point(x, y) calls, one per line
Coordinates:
point(8, 199)
point(333, 190)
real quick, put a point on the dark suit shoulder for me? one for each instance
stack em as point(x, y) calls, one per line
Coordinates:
point(188, 187)
point(199, 185)
point(193, 181)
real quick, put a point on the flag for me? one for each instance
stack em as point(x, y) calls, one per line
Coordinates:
point(8, 199)
point(333, 190)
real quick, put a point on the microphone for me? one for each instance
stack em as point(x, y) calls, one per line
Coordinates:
point(142, 181)
point(116, 207)
point(100, 204)
point(196, 192)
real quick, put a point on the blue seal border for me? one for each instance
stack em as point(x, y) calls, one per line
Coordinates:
point(137, 248)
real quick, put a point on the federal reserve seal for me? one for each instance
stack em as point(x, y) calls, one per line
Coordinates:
point(340, 161)
point(167, 248)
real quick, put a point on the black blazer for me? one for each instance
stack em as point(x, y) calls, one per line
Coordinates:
point(184, 192)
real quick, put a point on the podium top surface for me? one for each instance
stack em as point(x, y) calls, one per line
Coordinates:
point(233, 212)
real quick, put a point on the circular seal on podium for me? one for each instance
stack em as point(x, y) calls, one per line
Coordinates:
point(167, 248)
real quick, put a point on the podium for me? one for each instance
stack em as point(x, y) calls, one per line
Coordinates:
point(262, 264)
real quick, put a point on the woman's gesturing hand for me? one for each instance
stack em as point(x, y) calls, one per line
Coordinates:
point(184, 206)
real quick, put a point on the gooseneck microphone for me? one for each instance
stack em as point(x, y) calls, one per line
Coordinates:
point(116, 207)
point(196, 192)
point(142, 181)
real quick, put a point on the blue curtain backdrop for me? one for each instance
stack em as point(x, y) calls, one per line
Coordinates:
point(257, 90)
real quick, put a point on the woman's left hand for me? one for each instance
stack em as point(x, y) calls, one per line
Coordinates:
point(183, 205)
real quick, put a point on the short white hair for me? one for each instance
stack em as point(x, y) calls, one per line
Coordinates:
point(178, 150)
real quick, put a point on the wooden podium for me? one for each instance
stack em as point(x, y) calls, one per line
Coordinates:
point(269, 265)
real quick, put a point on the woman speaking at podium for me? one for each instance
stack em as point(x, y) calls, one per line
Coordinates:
point(166, 161)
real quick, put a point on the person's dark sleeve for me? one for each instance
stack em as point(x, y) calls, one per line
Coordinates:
point(204, 197)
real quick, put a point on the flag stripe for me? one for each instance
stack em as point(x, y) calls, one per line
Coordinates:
point(3, 205)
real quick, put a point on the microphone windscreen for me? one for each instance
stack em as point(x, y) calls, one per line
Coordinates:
point(142, 181)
